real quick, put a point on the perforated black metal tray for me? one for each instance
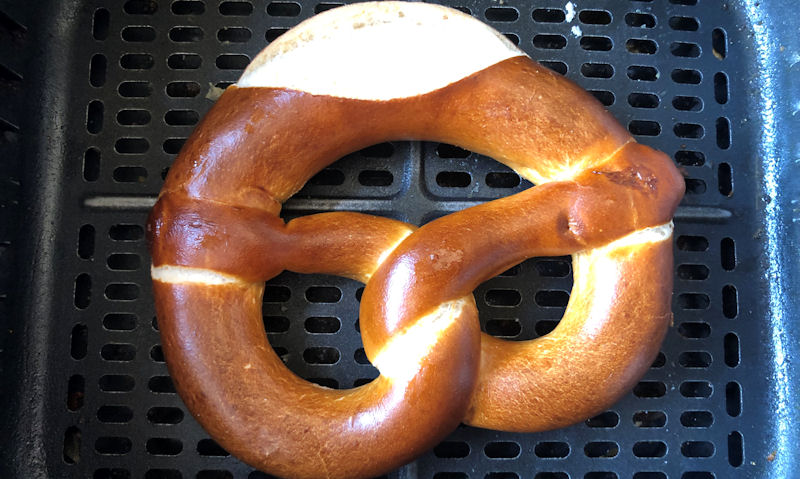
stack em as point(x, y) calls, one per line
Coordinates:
point(97, 97)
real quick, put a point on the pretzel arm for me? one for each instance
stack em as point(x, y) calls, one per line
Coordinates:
point(611, 331)
point(212, 328)
point(255, 245)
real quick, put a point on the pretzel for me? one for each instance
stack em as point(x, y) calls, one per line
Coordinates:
point(356, 76)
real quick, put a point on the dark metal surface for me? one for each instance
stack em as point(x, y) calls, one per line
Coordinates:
point(97, 97)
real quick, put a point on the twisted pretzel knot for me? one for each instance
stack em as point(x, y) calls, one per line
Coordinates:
point(216, 237)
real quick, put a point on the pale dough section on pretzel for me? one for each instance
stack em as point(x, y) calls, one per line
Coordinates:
point(167, 273)
point(378, 51)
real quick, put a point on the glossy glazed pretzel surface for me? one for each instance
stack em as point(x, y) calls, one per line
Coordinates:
point(323, 90)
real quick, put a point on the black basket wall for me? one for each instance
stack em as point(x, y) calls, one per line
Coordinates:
point(98, 97)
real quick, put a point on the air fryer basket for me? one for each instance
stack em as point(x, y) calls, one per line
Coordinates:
point(97, 98)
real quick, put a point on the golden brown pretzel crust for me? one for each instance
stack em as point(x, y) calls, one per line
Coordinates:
point(219, 211)
point(518, 111)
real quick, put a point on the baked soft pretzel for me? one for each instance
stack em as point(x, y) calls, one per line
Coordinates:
point(364, 74)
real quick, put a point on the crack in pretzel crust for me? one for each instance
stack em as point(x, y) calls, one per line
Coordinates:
point(325, 89)
point(643, 236)
point(403, 355)
point(173, 274)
